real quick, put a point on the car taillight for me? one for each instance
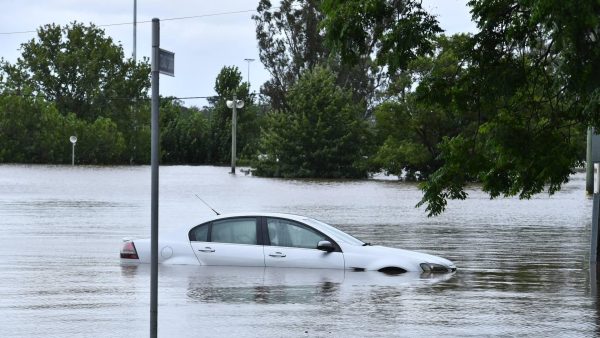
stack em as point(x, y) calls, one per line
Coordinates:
point(128, 250)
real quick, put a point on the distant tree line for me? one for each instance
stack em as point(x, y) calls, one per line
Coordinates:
point(74, 80)
point(356, 87)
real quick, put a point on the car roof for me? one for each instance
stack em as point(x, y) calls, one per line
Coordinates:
point(323, 227)
point(184, 228)
point(257, 214)
point(210, 218)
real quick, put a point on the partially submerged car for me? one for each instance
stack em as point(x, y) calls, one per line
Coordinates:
point(278, 240)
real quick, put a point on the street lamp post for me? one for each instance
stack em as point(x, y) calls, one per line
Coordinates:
point(248, 60)
point(73, 140)
point(234, 105)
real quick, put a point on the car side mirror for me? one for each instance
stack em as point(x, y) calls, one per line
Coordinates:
point(325, 246)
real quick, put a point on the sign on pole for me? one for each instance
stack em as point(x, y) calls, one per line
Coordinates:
point(166, 64)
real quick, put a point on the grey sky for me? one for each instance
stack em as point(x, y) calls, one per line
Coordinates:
point(202, 46)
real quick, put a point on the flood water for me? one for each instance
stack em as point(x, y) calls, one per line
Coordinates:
point(523, 265)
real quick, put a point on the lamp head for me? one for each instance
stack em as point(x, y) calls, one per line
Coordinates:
point(239, 104)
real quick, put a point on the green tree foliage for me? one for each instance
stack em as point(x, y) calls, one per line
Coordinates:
point(74, 81)
point(33, 131)
point(412, 123)
point(505, 107)
point(184, 133)
point(321, 135)
point(395, 32)
point(535, 70)
point(83, 72)
point(289, 42)
point(292, 41)
point(99, 142)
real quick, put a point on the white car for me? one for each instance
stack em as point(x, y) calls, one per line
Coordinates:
point(278, 240)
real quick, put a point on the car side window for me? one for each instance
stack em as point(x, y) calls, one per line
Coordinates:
point(199, 233)
point(291, 234)
point(234, 230)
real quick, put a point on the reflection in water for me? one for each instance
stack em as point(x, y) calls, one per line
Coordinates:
point(523, 267)
point(307, 294)
point(594, 281)
point(289, 286)
point(129, 271)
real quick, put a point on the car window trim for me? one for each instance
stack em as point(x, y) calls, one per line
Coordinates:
point(259, 238)
point(256, 228)
point(192, 231)
point(264, 232)
point(267, 239)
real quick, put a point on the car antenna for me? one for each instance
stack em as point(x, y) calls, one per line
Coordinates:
point(207, 205)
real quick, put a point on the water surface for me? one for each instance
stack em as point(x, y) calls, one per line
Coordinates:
point(523, 265)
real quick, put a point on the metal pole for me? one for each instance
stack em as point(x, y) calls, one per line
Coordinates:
point(248, 73)
point(132, 139)
point(595, 218)
point(73, 155)
point(589, 166)
point(248, 60)
point(154, 179)
point(233, 134)
point(134, 30)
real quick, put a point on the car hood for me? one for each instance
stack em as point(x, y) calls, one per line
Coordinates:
point(414, 255)
point(376, 257)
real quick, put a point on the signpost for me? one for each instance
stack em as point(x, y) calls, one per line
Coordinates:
point(162, 62)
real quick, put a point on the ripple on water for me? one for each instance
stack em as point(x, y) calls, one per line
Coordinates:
point(523, 267)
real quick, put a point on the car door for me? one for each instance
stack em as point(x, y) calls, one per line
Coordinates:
point(294, 245)
point(228, 242)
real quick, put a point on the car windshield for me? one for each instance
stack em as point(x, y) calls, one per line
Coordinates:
point(339, 234)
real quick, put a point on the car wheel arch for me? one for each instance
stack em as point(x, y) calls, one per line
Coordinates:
point(392, 267)
point(392, 270)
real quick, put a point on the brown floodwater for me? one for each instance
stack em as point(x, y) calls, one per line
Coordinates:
point(523, 265)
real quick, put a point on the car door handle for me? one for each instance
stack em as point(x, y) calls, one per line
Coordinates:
point(277, 254)
point(207, 249)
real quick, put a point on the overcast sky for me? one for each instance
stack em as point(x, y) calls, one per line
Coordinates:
point(202, 46)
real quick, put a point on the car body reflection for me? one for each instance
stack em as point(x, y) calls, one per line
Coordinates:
point(263, 285)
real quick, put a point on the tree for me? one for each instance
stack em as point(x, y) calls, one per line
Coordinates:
point(184, 133)
point(395, 32)
point(291, 41)
point(524, 91)
point(82, 71)
point(412, 123)
point(99, 142)
point(536, 65)
point(31, 131)
point(321, 135)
